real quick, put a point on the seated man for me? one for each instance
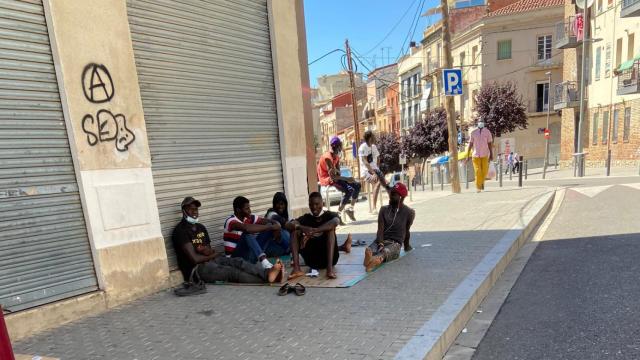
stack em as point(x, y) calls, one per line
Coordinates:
point(313, 236)
point(368, 155)
point(394, 225)
point(252, 237)
point(329, 174)
point(193, 250)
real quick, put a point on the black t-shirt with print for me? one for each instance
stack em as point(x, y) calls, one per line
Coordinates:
point(315, 251)
point(184, 234)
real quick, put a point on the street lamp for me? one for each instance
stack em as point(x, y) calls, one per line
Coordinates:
point(547, 131)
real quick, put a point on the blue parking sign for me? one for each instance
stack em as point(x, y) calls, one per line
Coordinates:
point(452, 81)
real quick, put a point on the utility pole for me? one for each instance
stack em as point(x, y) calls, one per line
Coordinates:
point(354, 106)
point(449, 104)
point(546, 140)
point(579, 158)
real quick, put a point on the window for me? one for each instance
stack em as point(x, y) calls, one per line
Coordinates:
point(474, 93)
point(598, 59)
point(630, 50)
point(542, 97)
point(627, 124)
point(605, 127)
point(544, 47)
point(594, 129)
point(504, 49)
point(462, 59)
point(429, 64)
point(614, 130)
point(416, 85)
point(474, 54)
point(409, 118)
point(416, 112)
point(438, 49)
point(618, 52)
point(599, 6)
point(607, 61)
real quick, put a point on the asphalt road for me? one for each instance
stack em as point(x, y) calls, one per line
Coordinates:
point(578, 296)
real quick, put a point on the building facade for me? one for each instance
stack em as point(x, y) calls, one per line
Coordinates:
point(515, 44)
point(334, 84)
point(410, 70)
point(611, 124)
point(107, 125)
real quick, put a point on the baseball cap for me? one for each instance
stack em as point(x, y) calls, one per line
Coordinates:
point(335, 141)
point(190, 200)
point(401, 189)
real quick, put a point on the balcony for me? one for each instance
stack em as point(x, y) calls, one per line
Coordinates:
point(566, 33)
point(432, 67)
point(566, 96)
point(628, 78)
point(630, 8)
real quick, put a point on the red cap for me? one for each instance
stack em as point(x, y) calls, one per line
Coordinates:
point(401, 189)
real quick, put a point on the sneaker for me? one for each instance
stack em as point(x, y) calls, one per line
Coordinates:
point(189, 289)
point(350, 214)
point(340, 218)
point(266, 264)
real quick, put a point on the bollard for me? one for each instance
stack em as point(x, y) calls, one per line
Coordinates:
point(431, 179)
point(466, 174)
point(441, 177)
point(520, 172)
point(609, 162)
point(500, 173)
point(556, 165)
point(526, 169)
point(6, 352)
point(511, 172)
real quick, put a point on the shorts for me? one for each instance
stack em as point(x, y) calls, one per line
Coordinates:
point(377, 176)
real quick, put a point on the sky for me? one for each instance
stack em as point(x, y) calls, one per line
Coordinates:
point(365, 23)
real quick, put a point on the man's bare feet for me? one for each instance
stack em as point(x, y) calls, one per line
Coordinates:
point(276, 273)
point(374, 262)
point(296, 273)
point(368, 254)
point(346, 246)
point(331, 274)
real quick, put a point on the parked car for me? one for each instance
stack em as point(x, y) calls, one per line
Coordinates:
point(334, 195)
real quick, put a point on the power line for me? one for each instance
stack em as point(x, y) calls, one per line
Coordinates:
point(323, 56)
point(414, 24)
point(392, 29)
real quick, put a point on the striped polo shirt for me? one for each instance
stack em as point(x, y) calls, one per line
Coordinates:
point(232, 237)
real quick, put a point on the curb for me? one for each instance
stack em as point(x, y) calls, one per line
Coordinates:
point(435, 337)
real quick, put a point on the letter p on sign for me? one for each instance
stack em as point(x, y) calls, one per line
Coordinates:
point(452, 81)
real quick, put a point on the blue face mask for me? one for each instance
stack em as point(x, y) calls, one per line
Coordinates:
point(480, 125)
point(191, 220)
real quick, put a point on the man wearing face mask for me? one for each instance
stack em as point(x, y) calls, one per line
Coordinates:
point(314, 237)
point(394, 225)
point(193, 251)
point(481, 143)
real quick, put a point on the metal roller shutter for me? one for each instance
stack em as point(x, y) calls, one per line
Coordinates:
point(44, 248)
point(206, 80)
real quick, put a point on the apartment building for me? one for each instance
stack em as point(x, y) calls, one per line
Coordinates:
point(611, 124)
point(410, 70)
point(378, 82)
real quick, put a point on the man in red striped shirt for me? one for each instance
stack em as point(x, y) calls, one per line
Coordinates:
point(252, 237)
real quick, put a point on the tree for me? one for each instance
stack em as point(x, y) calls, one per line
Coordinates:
point(501, 107)
point(428, 137)
point(389, 148)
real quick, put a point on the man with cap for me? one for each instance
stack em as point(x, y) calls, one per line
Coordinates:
point(195, 255)
point(329, 175)
point(394, 225)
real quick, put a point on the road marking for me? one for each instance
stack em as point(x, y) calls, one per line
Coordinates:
point(633, 186)
point(591, 191)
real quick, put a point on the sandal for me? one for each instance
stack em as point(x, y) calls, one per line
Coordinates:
point(299, 289)
point(285, 289)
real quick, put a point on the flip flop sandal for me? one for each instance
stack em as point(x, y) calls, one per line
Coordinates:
point(299, 289)
point(285, 289)
point(359, 243)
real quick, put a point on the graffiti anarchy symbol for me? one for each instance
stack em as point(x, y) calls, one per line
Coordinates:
point(97, 83)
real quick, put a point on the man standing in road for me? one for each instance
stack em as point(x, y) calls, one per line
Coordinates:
point(394, 225)
point(329, 175)
point(481, 142)
point(368, 155)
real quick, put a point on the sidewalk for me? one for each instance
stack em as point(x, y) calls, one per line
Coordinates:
point(404, 310)
point(552, 173)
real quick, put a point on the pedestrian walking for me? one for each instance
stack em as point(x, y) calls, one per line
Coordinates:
point(481, 142)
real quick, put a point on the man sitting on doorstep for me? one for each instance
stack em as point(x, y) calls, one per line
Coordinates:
point(368, 155)
point(329, 175)
point(394, 225)
point(252, 237)
point(313, 236)
point(193, 250)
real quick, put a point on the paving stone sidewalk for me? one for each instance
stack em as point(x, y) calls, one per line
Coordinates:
point(372, 320)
